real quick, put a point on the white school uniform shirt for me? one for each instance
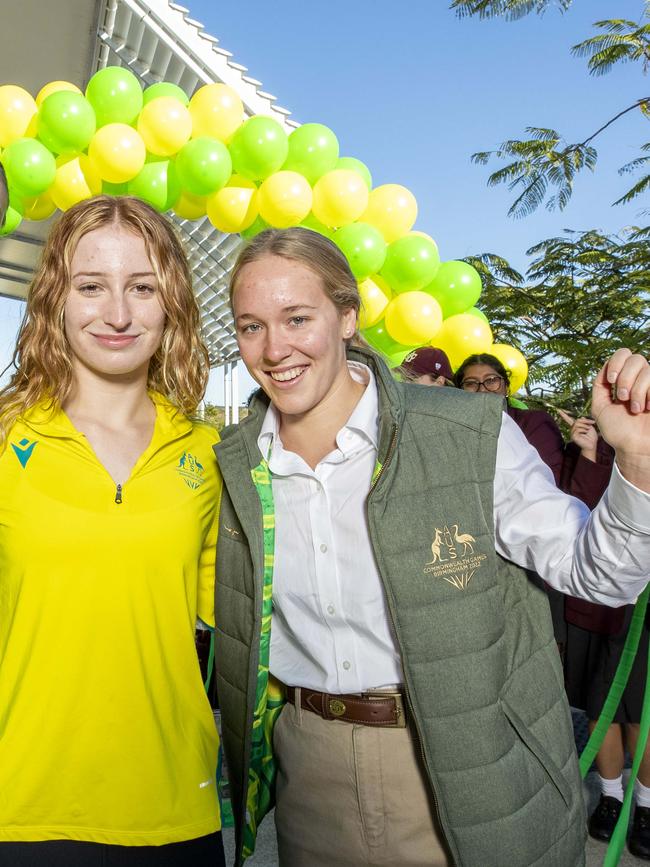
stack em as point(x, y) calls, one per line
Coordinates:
point(331, 629)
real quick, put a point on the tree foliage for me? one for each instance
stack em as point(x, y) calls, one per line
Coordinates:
point(584, 295)
point(509, 9)
point(544, 165)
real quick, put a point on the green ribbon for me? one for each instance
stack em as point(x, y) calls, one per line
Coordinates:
point(617, 842)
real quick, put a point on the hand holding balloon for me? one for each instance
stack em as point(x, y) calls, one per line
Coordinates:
point(621, 408)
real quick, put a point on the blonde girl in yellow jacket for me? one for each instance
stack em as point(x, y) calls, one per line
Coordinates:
point(108, 498)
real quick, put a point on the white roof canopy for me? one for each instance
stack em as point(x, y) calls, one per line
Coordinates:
point(158, 41)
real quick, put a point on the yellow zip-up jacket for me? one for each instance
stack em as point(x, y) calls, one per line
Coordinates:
point(106, 733)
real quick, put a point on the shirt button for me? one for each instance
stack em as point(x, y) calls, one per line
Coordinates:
point(346, 665)
point(323, 547)
point(330, 609)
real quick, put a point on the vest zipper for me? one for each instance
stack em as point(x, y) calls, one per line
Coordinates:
point(389, 456)
point(118, 495)
point(434, 794)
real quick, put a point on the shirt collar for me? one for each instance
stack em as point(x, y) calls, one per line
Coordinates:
point(364, 419)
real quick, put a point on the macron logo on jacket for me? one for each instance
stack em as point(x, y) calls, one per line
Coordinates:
point(24, 450)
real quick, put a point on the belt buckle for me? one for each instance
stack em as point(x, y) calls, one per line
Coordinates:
point(398, 697)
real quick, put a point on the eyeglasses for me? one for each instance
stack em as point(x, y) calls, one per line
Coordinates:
point(490, 383)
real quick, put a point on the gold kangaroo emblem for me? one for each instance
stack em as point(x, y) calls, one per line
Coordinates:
point(435, 548)
point(463, 539)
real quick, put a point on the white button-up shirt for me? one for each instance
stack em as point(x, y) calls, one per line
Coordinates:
point(331, 629)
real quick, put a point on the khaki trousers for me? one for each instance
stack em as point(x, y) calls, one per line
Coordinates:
point(350, 796)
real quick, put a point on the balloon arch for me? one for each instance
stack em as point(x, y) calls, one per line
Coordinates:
point(200, 156)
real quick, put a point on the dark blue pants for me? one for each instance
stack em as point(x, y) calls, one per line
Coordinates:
point(206, 851)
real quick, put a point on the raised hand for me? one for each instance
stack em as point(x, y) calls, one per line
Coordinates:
point(583, 433)
point(621, 408)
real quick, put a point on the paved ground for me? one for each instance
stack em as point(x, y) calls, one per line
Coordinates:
point(266, 854)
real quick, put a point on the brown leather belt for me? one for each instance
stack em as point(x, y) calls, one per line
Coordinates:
point(370, 709)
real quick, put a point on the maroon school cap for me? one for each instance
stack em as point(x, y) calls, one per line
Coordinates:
point(427, 359)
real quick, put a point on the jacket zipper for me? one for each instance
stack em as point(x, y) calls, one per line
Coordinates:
point(389, 456)
point(425, 763)
point(118, 495)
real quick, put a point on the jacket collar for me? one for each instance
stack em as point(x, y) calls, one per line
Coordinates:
point(48, 419)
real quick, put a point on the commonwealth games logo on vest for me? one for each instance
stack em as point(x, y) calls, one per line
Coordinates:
point(191, 470)
point(452, 557)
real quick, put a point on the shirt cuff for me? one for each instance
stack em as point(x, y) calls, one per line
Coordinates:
point(630, 504)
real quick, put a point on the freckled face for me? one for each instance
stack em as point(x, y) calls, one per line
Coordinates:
point(113, 316)
point(290, 334)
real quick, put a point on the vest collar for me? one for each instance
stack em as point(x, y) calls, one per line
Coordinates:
point(390, 412)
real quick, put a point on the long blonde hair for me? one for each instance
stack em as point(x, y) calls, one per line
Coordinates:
point(179, 369)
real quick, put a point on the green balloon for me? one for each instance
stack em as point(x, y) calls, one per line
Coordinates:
point(313, 150)
point(254, 229)
point(363, 246)
point(29, 165)
point(474, 311)
point(355, 165)
point(310, 222)
point(411, 263)
point(258, 148)
point(397, 358)
point(165, 88)
point(115, 94)
point(13, 218)
point(456, 287)
point(66, 122)
point(109, 189)
point(158, 184)
point(380, 339)
point(203, 165)
point(519, 404)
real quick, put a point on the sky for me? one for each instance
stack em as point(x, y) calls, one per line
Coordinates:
point(413, 91)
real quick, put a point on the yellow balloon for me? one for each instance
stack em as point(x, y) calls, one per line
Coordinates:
point(216, 111)
point(17, 108)
point(234, 207)
point(32, 129)
point(284, 199)
point(54, 87)
point(392, 209)
point(191, 207)
point(513, 361)
point(117, 152)
point(423, 235)
point(413, 318)
point(76, 179)
point(375, 294)
point(39, 207)
point(462, 335)
point(340, 197)
point(165, 125)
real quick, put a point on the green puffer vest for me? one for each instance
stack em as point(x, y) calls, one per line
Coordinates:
point(481, 669)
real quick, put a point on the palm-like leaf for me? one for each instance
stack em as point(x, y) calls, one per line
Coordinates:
point(642, 185)
point(539, 165)
point(509, 9)
point(623, 41)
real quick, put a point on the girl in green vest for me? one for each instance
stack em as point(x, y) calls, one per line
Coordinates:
point(385, 671)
